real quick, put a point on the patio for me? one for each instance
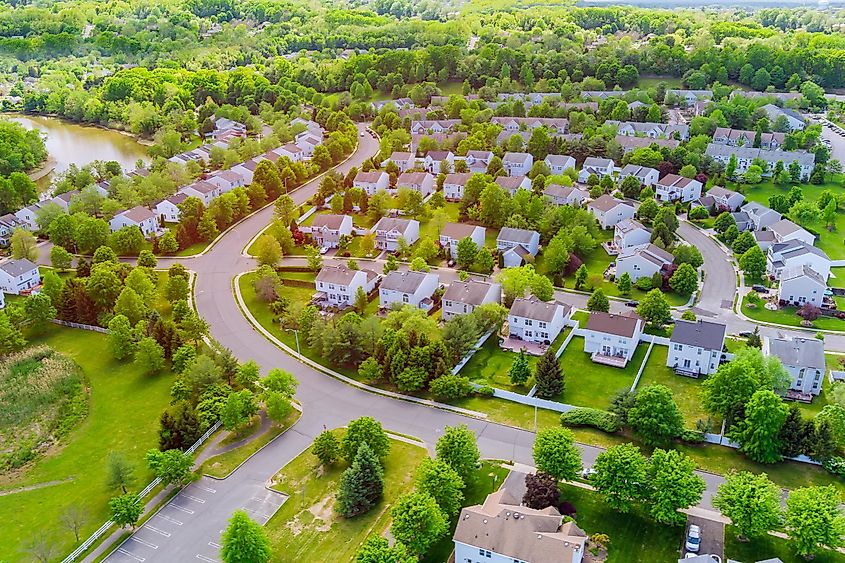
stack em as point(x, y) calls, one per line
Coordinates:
point(511, 344)
point(613, 361)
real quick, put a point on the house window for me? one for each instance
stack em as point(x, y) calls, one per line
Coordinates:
point(405, 298)
point(677, 347)
point(529, 322)
point(542, 324)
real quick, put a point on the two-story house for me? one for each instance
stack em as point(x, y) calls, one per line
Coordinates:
point(338, 285)
point(628, 233)
point(403, 160)
point(642, 261)
point(422, 182)
point(785, 231)
point(453, 233)
point(646, 176)
point(227, 180)
point(408, 288)
point(372, 181)
point(695, 347)
point(612, 339)
point(721, 199)
point(478, 161)
point(28, 215)
point(139, 216)
point(517, 163)
point(290, 151)
point(167, 209)
point(326, 230)
point(744, 138)
point(532, 320)
point(8, 224)
point(673, 187)
point(515, 244)
point(601, 167)
point(513, 184)
point(558, 163)
point(463, 297)
point(794, 253)
point(435, 161)
point(205, 191)
point(759, 216)
point(795, 120)
point(803, 359)
point(609, 211)
point(389, 230)
point(801, 285)
point(566, 195)
point(18, 276)
point(453, 185)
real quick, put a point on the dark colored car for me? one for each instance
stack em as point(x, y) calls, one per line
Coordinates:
point(760, 288)
point(631, 303)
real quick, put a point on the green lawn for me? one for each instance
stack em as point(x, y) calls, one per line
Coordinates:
point(652, 81)
point(837, 277)
point(593, 385)
point(769, 547)
point(634, 537)
point(453, 211)
point(307, 524)
point(123, 417)
point(787, 316)
point(222, 465)
point(686, 390)
point(193, 250)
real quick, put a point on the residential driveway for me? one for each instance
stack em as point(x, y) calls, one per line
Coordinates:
point(712, 536)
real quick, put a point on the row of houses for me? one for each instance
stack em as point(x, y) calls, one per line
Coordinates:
point(747, 155)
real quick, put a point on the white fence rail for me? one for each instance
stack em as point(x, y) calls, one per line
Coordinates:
point(81, 326)
point(83, 547)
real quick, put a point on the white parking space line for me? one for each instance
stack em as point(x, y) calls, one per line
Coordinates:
point(204, 558)
point(263, 515)
point(169, 519)
point(156, 530)
point(217, 545)
point(185, 510)
point(207, 489)
point(195, 499)
point(142, 542)
point(128, 554)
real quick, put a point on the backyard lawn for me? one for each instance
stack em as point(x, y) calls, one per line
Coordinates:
point(634, 537)
point(593, 385)
point(124, 409)
point(769, 547)
point(787, 316)
point(837, 277)
point(307, 523)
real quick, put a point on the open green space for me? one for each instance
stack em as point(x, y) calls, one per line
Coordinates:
point(634, 537)
point(125, 406)
point(193, 250)
point(769, 547)
point(593, 385)
point(685, 390)
point(429, 228)
point(652, 81)
point(787, 316)
point(307, 524)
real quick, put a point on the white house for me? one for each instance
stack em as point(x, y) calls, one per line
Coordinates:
point(408, 288)
point(690, 97)
point(503, 531)
point(695, 347)
point(650, 130)
point(796, 120)
point(759, 215)
point(453, 233)
point(478, 161)
point(515, 244)
point(612, 339)
point(290, 151)
point(433, 126)
point(647, 176)
point(795, 253)
point(745, 157)
point(722, 199)
point(642, 261)
point(422, 182)
point(562, 195)
point(326, 230)
point(463, 297)
point(601, 167)
point(389, 230)
point(744, 138)
point(337, 285)
point(205, 191)
point(139, 216)
point(514, 183)
point(372, 181)
point(403, 160)
point(247, 168)
point(18, 276)
point(803, 359)
point(226, 180)
point(453, 185)
point(677, 188)
point(167, 209)
point(785, 231)
point(630, 232)
point(801, 285)
point(433, 161)
point(8, 224)
point(558, 163)
point(517, 163)
point(29, 215)
point(307, 141)
point(63, 199)
point(609, 211)
point(532, 320)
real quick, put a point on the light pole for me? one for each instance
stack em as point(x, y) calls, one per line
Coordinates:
point(296, 337)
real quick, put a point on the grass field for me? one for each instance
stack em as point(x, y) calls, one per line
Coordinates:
point(307, 525)
point(125, 406)
point(787, 316)
point(769, 547)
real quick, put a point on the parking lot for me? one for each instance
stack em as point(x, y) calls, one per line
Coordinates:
point(155, 539)
point(712, 536)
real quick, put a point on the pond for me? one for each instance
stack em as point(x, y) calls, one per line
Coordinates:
point(70, 143)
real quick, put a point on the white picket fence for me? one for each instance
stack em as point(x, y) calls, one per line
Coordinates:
point(83, 547)
point(81, 326)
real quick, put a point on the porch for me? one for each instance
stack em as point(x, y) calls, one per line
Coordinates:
point(512, 344)
point(609, 360)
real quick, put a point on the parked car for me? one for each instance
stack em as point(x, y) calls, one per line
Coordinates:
point(324, 249)
point(745, 334)
point(631, 303)
point(760, 288)
point(693, 538)
point(588, 472)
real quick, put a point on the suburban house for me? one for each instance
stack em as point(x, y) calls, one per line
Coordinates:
point(609, 211)
point(759, 216)
point(517, 163)
point(389, 230)
point(603, 94)
point(408, 288)
point(745, 157)
point(247, 169)
point(18, 276)
point(372, 181)
point(801, 285)
point(677, 188)
point(651, 130)
point(453, 233)
point(308, 142)
point(642, 261)
point(743, 138)
point(433, 126)
point(721, 199)
point(628, 233)
point(803, 359)
point(514, 183)
point(433, 161)
point(463, 297)
point(139, 216)
point(28, 215)
point(562, 195)
point(647, 176)
point(205, 191)
point(695, 347)
point(453, 185)
point(794, 253)
point(511, 125)
point(63, 199)
point(515, 244)
point(403, 160)
point(227, 180)
point(601, 167)
point(785, 231)
point(558, 163)
point(290, 151)
point(422, 182)
point(8, 224)
point(630, 144)
point(796, 120)
point(326, 230)
point(532, 320)
point(337, 285)
point(503, 531)
point(478, 161)
point(612, 339)
point(690, 97)
point(167, 209)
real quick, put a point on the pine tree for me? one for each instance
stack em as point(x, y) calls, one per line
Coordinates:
point(548, 376)
point(822, 445)
point(362, 485)
point(792, 436)
point(520, 370)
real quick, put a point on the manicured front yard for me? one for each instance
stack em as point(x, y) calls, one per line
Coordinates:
point(307, 527)
point(125, 406)
point(787, 316)
point(769, 547)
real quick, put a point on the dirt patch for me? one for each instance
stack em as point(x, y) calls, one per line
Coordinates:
point(323, 513)
point(34, 487)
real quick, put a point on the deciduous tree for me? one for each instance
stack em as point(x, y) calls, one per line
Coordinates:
point(555, 453)
point(673, 485)
point(620, 476)
point(417, 521)
point(244, 541)
point(751, 501)
point(814, 519)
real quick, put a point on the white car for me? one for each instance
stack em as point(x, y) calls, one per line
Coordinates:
point(324, 249)
point(693, 539)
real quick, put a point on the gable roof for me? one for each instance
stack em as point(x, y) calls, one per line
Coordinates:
point(798, 352)
point(412, 178)
point(802, 271)
point(340, 275)
point(458, 178)
point(458, 231)
point(138, 214)
point(605, 203)
point(392, 223)
point(704, 334)
point(533, 308)
point(370, 177)
point(404, 282)
point(522, 236)
point(328, 221)
point(620, 325)
point(16, 268)
point(471, 292)
point(650, 252)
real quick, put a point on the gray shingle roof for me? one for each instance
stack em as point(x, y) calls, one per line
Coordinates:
point(16, 268)
point(798, 352)
point(704, 334)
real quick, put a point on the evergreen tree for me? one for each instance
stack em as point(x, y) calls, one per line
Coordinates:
point(821, 444)
point(598, 301)
point(624, 284)
point(520, 370)
point(326, 447)
point(792, 438)
point(362, 485)
point(548, 376)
